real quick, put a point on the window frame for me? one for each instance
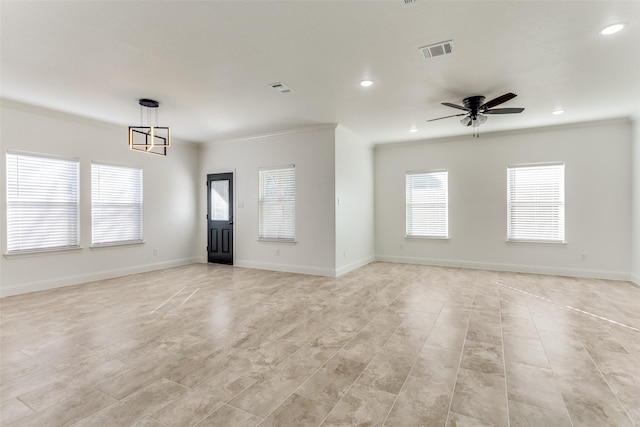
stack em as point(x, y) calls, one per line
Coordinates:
point(262, 235)
point(73, 231)
point(561, 205)
point(119, 242)
point(438, 236)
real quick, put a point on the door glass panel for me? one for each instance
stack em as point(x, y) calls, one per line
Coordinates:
point(219, 200)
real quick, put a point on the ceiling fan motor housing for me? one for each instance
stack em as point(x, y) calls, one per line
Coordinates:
point(473, 103)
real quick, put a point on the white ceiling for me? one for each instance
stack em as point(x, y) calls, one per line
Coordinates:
point(209, 63)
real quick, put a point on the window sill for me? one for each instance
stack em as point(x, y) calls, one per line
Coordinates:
point(286, 241)
point(427, 237)
point(117, 244)
point(544, 242)
point(41, 252)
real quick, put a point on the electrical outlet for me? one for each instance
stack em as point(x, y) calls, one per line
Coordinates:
point(583, 257)
point(155, 251)
point(277, 252)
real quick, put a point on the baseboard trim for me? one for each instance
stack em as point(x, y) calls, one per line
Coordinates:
point(287, 268)
point(516, 268)
point(43, 285)
point(354, 265)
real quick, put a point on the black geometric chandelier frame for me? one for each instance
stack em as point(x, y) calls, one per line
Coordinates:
point(147, 137)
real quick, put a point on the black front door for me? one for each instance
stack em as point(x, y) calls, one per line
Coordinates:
point(220, 218)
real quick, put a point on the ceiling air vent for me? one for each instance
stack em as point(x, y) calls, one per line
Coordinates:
point(438, 49)
point(408, 1)
point(281, 87)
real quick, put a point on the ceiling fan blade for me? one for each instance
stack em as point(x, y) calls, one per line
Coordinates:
point(459, 107)
point(497, 101)
point(446, 117)
point(504, 111)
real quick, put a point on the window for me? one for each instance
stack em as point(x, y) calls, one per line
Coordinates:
point(42, 203)
point(427, 204)
point(277, 204)
point(535, 203)
point(116, 205)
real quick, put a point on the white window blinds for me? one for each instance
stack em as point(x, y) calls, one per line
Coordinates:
point(277, 203)
point(427, 204)
point(42, 203)
point(535, 203)
point(116, 204)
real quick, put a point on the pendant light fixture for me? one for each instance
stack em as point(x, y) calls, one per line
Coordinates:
point(149, 137)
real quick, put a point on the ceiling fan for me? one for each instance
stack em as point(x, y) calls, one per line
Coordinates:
point(476, 109)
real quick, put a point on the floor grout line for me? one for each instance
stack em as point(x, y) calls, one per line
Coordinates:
point(504, 357)
point(466, 331)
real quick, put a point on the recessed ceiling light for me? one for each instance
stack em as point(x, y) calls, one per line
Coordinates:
point(366, 83)
point(413, 130)
point(611, 29)
point(557, 112)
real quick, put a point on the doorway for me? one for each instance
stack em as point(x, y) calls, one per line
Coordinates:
point(220, 218)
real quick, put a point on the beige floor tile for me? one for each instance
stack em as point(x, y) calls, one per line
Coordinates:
point(194, 405)
point(361, 406)
point(193, 372)
point(445, 337)
point(485, 315)
point(266, 394)
point(437, 364)
point(76, 382)
point(138, 405)
point(523, 415)
point(406, 340)
point(563, 344)
point(487, 332)
point(229, 416)
point(420, 403)
point(525, 350)
point(419, 320)
point(297, 410)
point(590, 412)
point(387, 371)
point(581, 377)
point(483, 357)
point(147, 422)
point(332, 380)
point(13, 410)
point(519, 327)
point(458, 420)
point(14, 386)
point(366, 344)
point(68, 411)
point(453, 318)
point(481, 396)
point(139, 377)
point(534, 386)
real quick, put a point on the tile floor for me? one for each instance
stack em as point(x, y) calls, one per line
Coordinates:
point(388, 344)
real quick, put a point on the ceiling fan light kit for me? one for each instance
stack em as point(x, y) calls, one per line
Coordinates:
point(476, 109)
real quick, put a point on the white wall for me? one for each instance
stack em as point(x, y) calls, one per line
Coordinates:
point(313, 152)
point(170, 200)
point(635, 250)
point(354, 201)
point(597, 160)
